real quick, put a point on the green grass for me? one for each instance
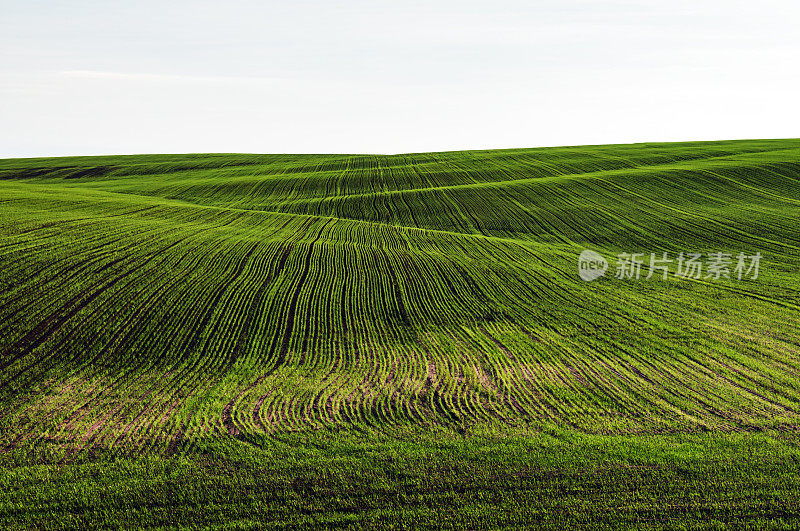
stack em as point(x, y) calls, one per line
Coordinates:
point(398, 335)
point(549, 480)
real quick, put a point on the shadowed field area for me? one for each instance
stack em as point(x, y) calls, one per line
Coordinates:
point(399, 333)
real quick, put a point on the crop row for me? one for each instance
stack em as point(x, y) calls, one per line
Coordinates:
point(157, 305)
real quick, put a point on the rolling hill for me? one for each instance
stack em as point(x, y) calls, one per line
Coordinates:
point(383, 336)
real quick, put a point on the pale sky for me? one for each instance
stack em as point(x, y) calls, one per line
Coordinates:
point(310, 76)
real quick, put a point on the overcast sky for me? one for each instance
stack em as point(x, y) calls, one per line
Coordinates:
point(314, 76)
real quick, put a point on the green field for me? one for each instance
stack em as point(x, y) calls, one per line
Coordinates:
point(233, 340)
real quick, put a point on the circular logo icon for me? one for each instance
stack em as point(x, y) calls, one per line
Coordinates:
point(591, 265)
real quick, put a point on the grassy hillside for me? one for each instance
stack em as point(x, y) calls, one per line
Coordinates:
point(163, 317)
